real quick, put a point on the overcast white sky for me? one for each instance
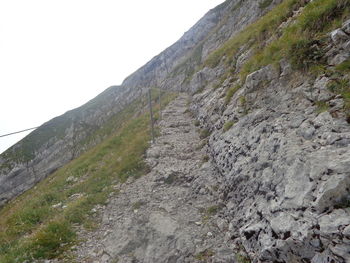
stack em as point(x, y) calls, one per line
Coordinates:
point(57, 54)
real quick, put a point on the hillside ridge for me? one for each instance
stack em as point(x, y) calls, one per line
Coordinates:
point(257, 148)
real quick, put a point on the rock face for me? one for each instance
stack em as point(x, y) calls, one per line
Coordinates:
point(58, 141)
point(285, 164)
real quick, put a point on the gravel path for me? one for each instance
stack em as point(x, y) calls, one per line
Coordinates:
point(168, 215)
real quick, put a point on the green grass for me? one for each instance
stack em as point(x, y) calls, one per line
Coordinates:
point(228, 125)
point(204, 133)
point(302, 41)
point(344, 67)
point(33, 228)
point(256, 32)
point(242, 259)
point(212, 210)
point(230, 93)
point(322, 106)
point(205, 255)
point(341, 85)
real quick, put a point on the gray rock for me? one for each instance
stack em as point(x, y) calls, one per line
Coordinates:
point(339, 58)
point(339, 36)
point(260, 78)
point(346, 27)
point(286, 67)
point(331, 223)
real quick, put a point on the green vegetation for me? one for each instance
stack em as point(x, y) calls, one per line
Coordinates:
point(301, 41)
point(322, 106)
point(228, 125)
point(197, 123)
point(205, 255)
point(341, 85)
point(209, 212)
point(204, 133)
point(242, 259)
point(344, 67)
point(264, 4)
point(230, 93)
point(254, 33)
point(41, 222)
point(212, 210)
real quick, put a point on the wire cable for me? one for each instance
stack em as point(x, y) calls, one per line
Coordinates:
point(18, 132)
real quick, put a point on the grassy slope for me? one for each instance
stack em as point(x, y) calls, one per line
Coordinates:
point(32, 228)
point(301, 42)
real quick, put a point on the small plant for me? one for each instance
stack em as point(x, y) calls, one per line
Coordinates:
point(51, 240)
point(243, 100)
point(322, 106)
point(230, 93)
point(137, 205)
point(228, 125)
point(344, 67)
point(205, 255)
point(305, 53)
point(212, 210)
point(204, 133)
point(197, 123)
point(242, 259)
point(264, 4)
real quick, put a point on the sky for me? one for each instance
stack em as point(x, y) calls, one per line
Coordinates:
point(55, 55)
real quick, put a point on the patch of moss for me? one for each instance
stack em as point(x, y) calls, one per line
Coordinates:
point(228, 125)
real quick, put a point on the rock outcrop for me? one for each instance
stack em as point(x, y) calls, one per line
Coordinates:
point(285, 163)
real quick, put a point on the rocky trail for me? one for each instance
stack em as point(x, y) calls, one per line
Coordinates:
point(168, 215)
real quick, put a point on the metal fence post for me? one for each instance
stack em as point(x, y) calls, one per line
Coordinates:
point(160, 104)
point(151, 113)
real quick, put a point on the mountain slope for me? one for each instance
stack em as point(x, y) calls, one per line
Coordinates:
point(272, 107)
point(61, 140)
point(41, 222)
